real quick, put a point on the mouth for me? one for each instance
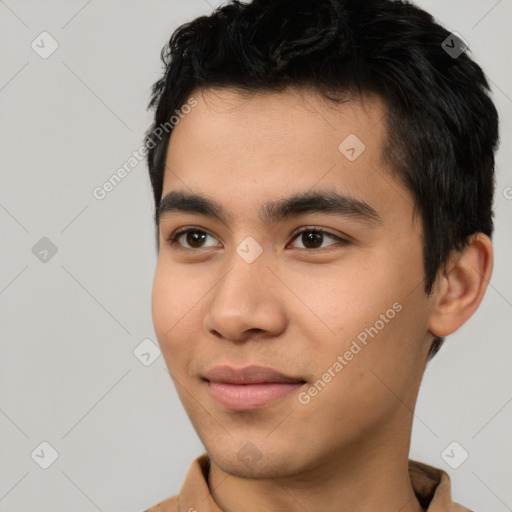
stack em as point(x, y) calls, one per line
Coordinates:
point(249, 388)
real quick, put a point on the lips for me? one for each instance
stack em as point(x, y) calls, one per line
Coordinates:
point(248, 375)
point(249, 388)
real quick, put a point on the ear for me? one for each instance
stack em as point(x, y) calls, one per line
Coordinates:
point(460, 288)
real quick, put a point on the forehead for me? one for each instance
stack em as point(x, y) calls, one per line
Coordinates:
point(294, 112)
point(247, 148)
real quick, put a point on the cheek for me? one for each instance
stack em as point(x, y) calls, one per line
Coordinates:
point(338, 302)
point(163, 304)
point(378, 314)
point(173, 302)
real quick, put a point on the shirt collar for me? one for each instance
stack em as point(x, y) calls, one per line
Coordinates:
point(431, 486)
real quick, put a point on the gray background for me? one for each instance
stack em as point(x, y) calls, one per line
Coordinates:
point(69, 326)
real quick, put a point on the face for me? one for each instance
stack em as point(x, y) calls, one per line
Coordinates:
point(291, 315)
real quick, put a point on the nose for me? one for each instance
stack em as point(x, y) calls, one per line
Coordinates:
point(247, 301)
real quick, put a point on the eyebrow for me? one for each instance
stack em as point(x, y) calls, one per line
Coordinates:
point(324, 202)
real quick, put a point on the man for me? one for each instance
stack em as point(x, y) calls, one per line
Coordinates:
point(323, 199)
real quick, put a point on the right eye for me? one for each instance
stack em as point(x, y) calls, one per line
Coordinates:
point(194, 237)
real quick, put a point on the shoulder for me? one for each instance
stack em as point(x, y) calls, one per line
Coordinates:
point(195, 484)
point(432, 487)
point(168, 505)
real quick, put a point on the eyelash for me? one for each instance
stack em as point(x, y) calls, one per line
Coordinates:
point(173, 238)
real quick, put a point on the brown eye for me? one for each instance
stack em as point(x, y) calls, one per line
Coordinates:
point(195, 238)
point(314, 238)
point(190, 238)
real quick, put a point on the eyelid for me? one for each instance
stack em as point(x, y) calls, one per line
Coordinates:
point(303, 229)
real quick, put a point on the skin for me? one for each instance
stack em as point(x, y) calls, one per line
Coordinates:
point(296, 309)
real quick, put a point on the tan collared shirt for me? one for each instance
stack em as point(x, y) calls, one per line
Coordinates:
point(431, 486)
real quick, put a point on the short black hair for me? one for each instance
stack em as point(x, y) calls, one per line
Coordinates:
point(441, 124)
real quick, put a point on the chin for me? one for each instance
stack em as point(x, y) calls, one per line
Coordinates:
point(245, 466)
point(250, 456)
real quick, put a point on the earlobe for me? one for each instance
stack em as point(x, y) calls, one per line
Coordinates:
point(460, 288)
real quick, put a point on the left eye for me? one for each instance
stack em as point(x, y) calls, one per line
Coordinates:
point(315, 237)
